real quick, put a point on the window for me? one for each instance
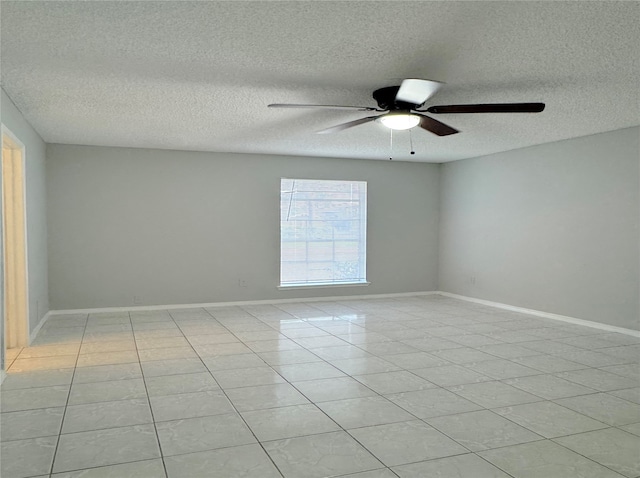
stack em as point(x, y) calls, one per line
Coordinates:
point(323, 228)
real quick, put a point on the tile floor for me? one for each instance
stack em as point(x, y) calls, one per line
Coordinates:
point(422, 386)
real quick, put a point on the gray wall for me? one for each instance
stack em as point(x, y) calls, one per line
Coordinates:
point(551, 227)
point(35, 149)
point(173, 227)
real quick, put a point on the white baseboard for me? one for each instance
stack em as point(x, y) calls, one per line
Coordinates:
point(498, 305)
point(37, 328)
point(32, 335)
point(238, 303)
point(546, 315)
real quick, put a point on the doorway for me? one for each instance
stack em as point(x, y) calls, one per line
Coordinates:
point(14, 249)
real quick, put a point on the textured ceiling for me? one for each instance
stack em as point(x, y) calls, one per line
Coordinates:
point(199, 75)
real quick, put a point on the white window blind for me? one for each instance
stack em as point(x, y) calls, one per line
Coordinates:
point(323, 228)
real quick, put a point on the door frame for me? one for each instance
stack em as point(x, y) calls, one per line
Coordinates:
point(16, 332)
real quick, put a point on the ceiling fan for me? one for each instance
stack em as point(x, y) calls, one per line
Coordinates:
point(400, 107)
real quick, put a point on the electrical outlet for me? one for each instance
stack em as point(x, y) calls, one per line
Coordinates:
point(137, 300)
point(242, 283)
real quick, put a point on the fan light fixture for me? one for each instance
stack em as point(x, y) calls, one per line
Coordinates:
point(400, 121)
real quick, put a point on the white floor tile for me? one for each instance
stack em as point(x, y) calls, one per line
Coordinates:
point(265, 396)
point(308, 371)
point(460, 466)
point(328, 389)
point(204, 433)
point(549, 420)
point(612, 447)
point(96, 416)
point(107, 373)
point(545, 459)
point(25, 424)
point(362, 412)
point(482, 430)
point(143, 469)
point(247, 377)
point(599, 379)
point(247, 461)
point(319, 456)
point(27, 458)
point(32, 398)
point(493, 394)
point(450, 375)
point(421, 369)
point(548, 387)
point(433, 402)
point(158, 368)
point(190, 405)
point(364, 365)
point(406, 442)
point(394, 382)
point(174, 384)
point(37, 379)
point(604, 407)
point(105, 447)
point(288, 422)
point(107, 391)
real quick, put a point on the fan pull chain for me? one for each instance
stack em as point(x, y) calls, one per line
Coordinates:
point(411, 142)
point(391, 146)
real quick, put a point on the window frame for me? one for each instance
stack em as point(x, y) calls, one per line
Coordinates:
point(362, 261)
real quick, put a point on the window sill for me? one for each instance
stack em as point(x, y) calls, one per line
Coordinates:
point(323, 286)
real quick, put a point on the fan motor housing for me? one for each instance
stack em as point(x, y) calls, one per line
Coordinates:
point(386, 99)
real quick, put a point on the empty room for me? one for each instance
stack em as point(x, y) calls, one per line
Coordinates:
point(304, 239)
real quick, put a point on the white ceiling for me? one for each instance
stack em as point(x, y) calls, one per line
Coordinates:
point(199, 75)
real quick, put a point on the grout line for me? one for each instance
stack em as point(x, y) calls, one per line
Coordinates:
point(79, 470)
point(552, 440)
point(64, 413)
point(493, 464)
point(144, 382)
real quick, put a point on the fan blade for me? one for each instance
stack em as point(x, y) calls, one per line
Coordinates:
point(435, 126)
point(334, 107)
point(416, 92)
point(489, 108)
point(343, 126)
